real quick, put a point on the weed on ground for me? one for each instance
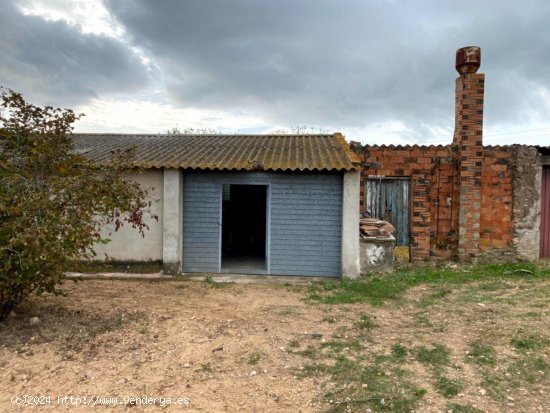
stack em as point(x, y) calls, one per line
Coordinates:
point(379, 289)
point(457, 338)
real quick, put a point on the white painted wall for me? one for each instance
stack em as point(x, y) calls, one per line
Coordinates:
point(172, 221)
point(350, 225)
point(127, 244)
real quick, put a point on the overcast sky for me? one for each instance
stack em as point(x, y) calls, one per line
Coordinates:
point(379, 71)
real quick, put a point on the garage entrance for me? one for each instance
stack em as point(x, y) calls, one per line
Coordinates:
point(244, 227)
point(301, 234)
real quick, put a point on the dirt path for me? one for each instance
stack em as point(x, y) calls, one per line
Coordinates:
point(222, 348)
point(219, 348)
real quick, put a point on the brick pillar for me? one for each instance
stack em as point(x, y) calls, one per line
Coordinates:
point(468, 144)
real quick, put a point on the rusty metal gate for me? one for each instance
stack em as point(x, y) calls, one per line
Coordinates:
point(545, 214)
point(388, 199)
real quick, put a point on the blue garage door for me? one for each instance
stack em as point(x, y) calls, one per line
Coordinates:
point(304, 221)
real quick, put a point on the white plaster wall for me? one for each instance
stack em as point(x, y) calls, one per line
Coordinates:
point(172, 221)
point(527, 184)
point(527, 229)
point(377, 255)
point(127, 244)
point(350, 225)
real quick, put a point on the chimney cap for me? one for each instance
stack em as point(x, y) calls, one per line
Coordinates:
point(468, 59)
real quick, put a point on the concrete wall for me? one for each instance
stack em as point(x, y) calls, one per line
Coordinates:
point(171, 237)
point(127, 244)
point(377, 255)
point(350, 225)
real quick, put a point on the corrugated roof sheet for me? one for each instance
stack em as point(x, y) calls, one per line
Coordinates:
point(225, 152)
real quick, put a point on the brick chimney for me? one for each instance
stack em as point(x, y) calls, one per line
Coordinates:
point(468, 147)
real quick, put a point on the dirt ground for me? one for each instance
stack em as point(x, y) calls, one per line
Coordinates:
point(217, 348)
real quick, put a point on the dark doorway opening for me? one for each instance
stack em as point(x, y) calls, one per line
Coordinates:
point(244, 212)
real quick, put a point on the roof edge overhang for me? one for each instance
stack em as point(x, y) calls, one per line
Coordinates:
point(349, 160)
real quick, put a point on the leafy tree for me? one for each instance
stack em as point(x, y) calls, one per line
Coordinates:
point(53, 201)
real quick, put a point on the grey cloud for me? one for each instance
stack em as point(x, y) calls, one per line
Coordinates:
point(53, 63)
point(349, 63)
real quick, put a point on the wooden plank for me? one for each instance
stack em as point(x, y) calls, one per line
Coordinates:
point(388, 199)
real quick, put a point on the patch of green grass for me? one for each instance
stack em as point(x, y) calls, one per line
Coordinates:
point(448, 387)
point(422, 319)
point(383, 392)
point(462, 408)
point(494, 285)
point(399, 352)
point(530, 314)
point(378, 290)
point(209, 282)
point(435, 297)
point(530, 369)
point(529, 342)
point(254, 358)
point(365, 322)
point(482, 354)
point(143, 330)
point(436, 357)
point(494, 385)
point(420, 392)
point(309, 352)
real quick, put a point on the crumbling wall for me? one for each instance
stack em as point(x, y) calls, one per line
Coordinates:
point(526, 184)
point(376, 255)
point(510, 197)
point(431, 172)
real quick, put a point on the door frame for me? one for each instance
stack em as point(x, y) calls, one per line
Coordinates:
point(267, 221)
point(410, 198)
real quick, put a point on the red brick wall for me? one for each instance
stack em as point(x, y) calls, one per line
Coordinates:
point(469, 154)
point(434, 194)
point(430, 169)
point(462, 198)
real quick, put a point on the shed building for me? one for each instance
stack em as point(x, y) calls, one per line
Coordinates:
point(255, 204)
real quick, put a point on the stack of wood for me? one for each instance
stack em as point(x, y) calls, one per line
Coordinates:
point(373, 227)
